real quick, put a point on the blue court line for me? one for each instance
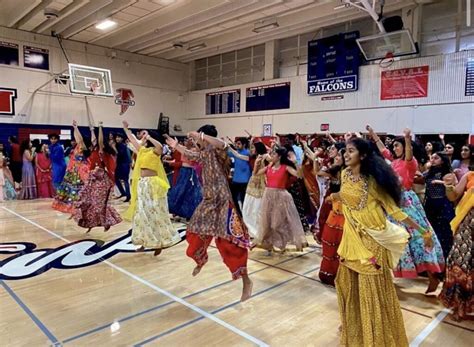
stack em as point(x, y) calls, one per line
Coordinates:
point(223, 308)
point(126, 318)
point(33, 317)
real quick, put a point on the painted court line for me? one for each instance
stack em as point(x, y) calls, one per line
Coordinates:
point(429, 328)
point(158, 289)
point(138, 314)
point(33, 317)
point(197, 319)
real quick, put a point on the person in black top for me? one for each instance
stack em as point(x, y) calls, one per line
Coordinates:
point(122, 170)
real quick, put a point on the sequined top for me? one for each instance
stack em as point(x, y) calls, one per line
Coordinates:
point(256, 185)
point(364, 206)
point(434, 191)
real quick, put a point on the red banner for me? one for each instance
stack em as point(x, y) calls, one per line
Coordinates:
point(404, 83)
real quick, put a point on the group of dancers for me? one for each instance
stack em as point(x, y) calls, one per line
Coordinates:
point(376, 208)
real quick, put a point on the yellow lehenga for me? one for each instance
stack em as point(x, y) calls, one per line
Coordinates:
point(368, 304)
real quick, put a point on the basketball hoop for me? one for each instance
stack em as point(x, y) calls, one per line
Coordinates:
point(95, 87)
point(387, 61)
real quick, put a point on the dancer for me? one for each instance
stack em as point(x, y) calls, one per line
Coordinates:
point(424, 252)
point(151, 226)
point(58, 163)
point(15, 160)
point(122, 170)
point(28, 185)
point(251, 211)
point(280, 223)
point(185, 195)
point(43, 172)
point(368, 304)
point(216, 217)
point(331, 234)
point(77, 173)
point(457, 293)
point(9, 192)
point(242, 172)
point(93, 208)
point(439, 209)
point(467, 161)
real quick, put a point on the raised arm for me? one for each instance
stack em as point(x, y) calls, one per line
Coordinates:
point(408, 146)
point(78, 136)
point(173, 143)
point(238, 155)
point(376, 138)
point(130, 136)
point(213, 141)
point(93, 137)
point(158, 146)
point(330, 138)
point(101, 137)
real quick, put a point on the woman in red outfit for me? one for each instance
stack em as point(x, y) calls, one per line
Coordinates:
point(93, 209)
point(44, 180)
point(280, 223)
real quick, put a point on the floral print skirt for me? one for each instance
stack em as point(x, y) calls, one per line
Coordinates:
point(152, 227)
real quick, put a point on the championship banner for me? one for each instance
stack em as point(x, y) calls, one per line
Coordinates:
point(404, 83)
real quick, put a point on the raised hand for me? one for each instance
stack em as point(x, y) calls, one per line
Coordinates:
point(125, 124)
point(74, 123)
point(194, 135)
point(441, 137)
point(171, 142)
point(347, 136)
point(407, 133)
point(370, 130)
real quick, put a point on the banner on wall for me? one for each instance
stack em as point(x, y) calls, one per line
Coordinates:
point(223, 102)
point(36, 58)
point(333, 64)
point(124, 98)
point(469, 91)
point(404, 83)
point(7, 101)
point(8, 53)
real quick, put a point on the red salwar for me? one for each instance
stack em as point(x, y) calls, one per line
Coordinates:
point(234, 257)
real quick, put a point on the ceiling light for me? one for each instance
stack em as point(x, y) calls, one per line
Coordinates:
point(265, 26)
point(106, 24)
point(196, 47)
point(162, 2)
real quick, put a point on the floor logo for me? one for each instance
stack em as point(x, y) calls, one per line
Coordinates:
point(28, 261)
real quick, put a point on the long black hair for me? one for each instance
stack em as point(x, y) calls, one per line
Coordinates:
point(282, 152)
point(445, 167)
point(260, 148)
point(25, 145)
point(375, 166)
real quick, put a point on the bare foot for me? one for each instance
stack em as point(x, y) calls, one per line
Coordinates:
point(197, 270)
point(247, 288)
point(157, 252)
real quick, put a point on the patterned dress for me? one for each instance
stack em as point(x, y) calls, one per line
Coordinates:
point(368, 303)
point(93, 209)
point(28, 180)
point(457, 293)
point(43, 176)
point(251, 210)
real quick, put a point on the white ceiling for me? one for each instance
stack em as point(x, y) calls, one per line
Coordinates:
point(151, 27)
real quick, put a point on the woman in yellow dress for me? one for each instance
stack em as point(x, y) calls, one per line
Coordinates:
point(151, 223)
point(368, 304)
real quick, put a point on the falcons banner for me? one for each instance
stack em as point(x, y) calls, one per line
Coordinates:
point(7, 101)
point(124, 98)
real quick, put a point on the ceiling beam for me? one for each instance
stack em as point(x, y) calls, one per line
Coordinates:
point(23, 20)
point(297, 23)
point(12, 11)
point(158, 20)
point(76, 16)
point(63, 13)
point(97, 16)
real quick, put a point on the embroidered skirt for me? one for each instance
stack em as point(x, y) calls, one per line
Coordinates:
point(152, 227)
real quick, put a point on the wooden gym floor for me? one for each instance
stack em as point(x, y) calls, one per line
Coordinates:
point(137, 299)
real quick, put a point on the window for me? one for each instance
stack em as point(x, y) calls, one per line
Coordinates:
point(227, 69)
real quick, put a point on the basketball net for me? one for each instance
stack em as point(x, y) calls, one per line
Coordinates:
point(387, 61)
point(95, 88)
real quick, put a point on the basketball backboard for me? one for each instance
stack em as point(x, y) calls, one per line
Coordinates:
point(90, 80)
point(393, 44)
